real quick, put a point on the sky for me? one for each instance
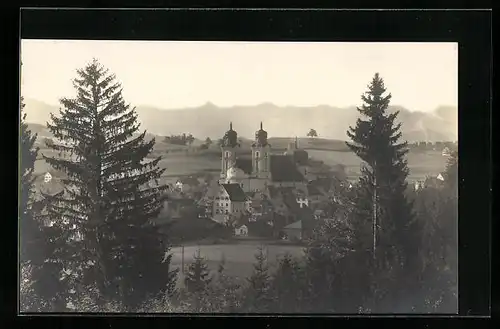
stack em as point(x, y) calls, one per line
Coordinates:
point(179, 74)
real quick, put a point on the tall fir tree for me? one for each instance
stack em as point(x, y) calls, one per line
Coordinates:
point(256, 296)
point(41, 289)
point(111, 194)
point(381, 201)
point(197, 281)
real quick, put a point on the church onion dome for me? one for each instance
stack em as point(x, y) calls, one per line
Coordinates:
point(230, 137)
point(235, 173)
point(260, 137)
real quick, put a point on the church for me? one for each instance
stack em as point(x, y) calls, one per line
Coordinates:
point(243, 176)
point(264, 168)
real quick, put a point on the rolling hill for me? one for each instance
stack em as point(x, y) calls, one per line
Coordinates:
point(330, 122)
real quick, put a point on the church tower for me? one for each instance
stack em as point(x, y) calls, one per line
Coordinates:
point(261, 155)
point(228, 148)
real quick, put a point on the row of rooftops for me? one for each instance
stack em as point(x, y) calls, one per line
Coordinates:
point(314, 188)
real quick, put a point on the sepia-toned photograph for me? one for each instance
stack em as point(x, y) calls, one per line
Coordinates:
point(238, 177)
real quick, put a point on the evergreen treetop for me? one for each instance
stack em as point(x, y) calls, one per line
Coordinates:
point(198, 276)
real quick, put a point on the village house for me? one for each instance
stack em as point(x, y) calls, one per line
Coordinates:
point(47, 177)
point(241, 230)
point(231, 201)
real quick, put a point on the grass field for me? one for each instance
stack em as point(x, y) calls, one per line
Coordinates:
point(420, 164)
point(239, 258)
point(182, 160)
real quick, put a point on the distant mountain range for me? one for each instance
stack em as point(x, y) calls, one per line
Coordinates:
point(330, 122)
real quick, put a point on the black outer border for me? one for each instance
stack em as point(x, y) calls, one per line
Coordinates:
point(471, 29)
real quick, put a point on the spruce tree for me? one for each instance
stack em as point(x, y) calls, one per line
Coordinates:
point(257, 293)
point(287, 286)
point(381, 200)
point(108, 202)
point(197, 283)
point(41, 289)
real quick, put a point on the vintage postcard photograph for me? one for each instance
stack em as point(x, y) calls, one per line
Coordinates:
point(238, 177)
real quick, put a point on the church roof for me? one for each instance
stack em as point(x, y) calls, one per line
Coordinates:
point(235, 192)
point(283, 169)
point(301, 157)
point(244, 164)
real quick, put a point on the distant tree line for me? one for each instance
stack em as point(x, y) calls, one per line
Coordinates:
point(183, 139)
point(438, 146)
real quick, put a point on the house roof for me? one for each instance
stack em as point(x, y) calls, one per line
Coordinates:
point(283, 169)
point(235, 192)
point(295, 225)
point(313, 190)
point(324, 183)
point(306, 214)
point(290, 201)
point(302, 225)
point(244, 164)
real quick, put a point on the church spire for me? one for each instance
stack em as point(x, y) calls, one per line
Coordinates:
point(261, 136)
point(230, 138)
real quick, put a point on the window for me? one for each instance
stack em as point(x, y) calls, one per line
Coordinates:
point(227, 153)
point(257, 153)
point(227, 211)
point(227, 204)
